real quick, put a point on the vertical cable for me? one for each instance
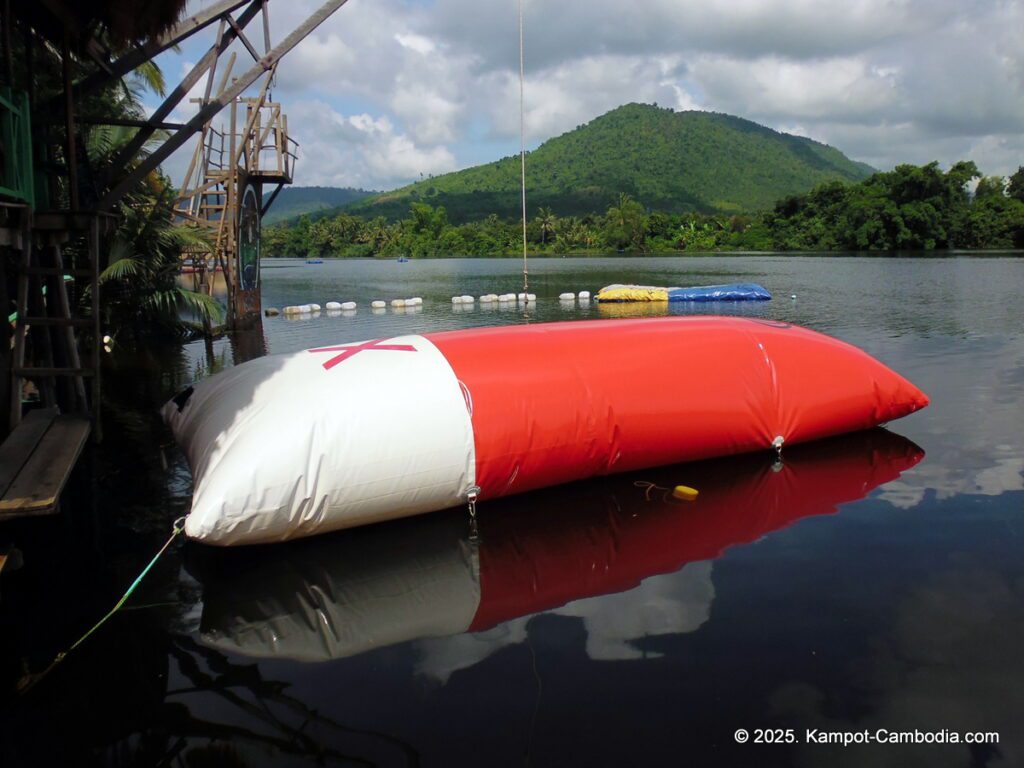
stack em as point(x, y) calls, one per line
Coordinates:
point(522, 149)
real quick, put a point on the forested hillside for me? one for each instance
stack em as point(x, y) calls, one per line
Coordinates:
point(292, 202)
point(670, 161)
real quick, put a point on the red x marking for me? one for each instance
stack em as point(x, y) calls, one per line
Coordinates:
point(348, 350)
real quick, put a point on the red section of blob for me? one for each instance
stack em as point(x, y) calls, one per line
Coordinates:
point(595, 538)
point(557, 402)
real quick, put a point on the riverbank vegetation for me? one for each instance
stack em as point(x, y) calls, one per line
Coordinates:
point(908, 208)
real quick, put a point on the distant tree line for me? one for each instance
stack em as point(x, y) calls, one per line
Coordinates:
point(908, 208)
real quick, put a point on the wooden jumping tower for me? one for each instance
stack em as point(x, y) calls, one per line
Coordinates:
point(223, 194)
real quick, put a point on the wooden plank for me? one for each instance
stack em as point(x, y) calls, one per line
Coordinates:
point(20, 444)
point(38, 486)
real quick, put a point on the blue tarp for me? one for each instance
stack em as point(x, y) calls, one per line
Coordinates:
point(731, 292)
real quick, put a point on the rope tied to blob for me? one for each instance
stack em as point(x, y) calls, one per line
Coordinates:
point(27, 683)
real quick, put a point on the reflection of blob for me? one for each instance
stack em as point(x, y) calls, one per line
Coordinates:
point(632, 309)
point(346, 593)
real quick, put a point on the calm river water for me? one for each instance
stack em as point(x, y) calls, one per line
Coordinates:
point(870, 582)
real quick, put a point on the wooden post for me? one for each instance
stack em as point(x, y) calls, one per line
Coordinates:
point(71, 151)
point(228, 219)
point(97, 340)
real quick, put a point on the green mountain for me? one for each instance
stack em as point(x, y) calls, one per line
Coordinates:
point(668, 160)
point(295, 201)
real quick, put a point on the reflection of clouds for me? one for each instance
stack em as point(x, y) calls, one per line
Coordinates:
point(672, 603)
point(669, 604)
point(953, 662)
point(972, 431)
point(1006, 475)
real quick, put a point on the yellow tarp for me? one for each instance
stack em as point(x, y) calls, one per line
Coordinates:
point(632, 293)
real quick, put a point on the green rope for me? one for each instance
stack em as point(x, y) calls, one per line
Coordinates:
point(179, 526)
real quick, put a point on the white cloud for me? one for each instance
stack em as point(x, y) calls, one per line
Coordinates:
point(885, 81)
point(362, 150)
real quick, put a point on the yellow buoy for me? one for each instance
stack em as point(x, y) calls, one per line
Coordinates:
point(684, 492)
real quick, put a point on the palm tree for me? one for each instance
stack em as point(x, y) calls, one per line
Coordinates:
point(547, 220)
point(140, 280)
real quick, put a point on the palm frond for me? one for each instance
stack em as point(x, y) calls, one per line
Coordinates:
point(153, 77)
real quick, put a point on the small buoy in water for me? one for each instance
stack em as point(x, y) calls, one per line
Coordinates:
point(414, 301)
point(567, 296)
point(396, 303)
point(456, 299)
point(793, 296)
point(468, 300)
point(333, 305)
point(348, 305)
point(487, 298)
point(584, 294)
point(377, 304)
point(531, 297)
point(684, 493)
point(269, 312)
point(505, 297)
point(314, 307)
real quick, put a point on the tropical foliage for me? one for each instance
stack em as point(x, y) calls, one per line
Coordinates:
point(911, 207)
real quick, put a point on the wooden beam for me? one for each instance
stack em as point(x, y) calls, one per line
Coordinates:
point(143, 53)
point(208, 111)
point(172, 100)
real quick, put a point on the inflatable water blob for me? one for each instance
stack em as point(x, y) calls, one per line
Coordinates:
point(338, 595)
point(731, 292)
point(292, 445)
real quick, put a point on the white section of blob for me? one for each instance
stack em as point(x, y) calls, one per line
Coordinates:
point(584, 294)
point(567, 296)
point(348, 305)
point(282, 447)
point(314, 307)
point(378, 304)
point(333, 305)
point(398, 303)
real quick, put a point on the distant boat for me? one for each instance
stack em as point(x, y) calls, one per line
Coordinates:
point(402, 259)
point(314, 261)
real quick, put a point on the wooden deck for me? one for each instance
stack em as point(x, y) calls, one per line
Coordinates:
point(36, 460)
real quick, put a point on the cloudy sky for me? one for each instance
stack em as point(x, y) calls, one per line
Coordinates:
point(387, 90)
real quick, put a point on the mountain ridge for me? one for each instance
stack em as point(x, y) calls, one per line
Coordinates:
point(293, 202)
point(686, 161)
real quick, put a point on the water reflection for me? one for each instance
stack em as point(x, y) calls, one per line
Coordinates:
point(550, 551)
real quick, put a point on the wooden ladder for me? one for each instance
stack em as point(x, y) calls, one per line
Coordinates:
point(44, 309)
